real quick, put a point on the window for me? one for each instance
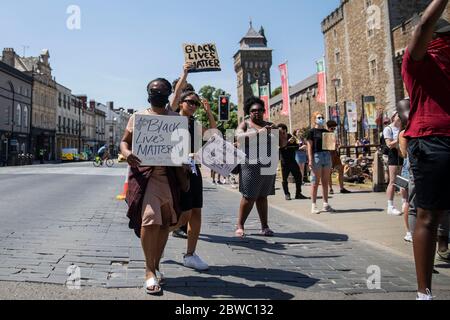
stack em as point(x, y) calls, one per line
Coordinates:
point(335, 34)
point(337, 57)
point(25, 117)
point(6, 116)
point(373, 67)
point(59, 100)
point(64, 125)
point(18, 119)
point(59, 123)
point(249, 77)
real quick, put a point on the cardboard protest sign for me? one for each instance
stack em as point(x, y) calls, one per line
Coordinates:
point(161, 140)
point(203, 57)
point(352, 116)
point(329, 141)
point(220, 156)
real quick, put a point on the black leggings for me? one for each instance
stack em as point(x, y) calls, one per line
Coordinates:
point(286, 170)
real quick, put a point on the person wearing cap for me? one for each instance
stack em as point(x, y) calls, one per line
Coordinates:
point(395, 162)
point(426, 73)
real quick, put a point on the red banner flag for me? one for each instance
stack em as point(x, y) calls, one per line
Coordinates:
point(285, 90)
point(321, 78)
point(265, 96)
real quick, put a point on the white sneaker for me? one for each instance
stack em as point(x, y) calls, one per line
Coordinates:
point(392, 211)
point(195, 262)
point(408, 237)
point(315, 210)
point(328, 208)
point(428, 296)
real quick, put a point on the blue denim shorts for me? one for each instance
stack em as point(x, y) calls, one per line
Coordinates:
point(300, 157)
point(322, 160)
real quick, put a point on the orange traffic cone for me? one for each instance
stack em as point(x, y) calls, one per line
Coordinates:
point(123, 195)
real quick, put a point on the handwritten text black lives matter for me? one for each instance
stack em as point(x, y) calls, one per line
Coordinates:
point(160, 140)
point(203, 57)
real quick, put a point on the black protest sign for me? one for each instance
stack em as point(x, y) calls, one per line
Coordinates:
point(203, 57)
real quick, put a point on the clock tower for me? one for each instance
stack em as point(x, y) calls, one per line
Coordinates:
point(252, 64)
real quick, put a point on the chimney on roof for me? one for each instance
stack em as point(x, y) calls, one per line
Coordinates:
point(110, 105)
point(9, 56)
point(92, 104)
point(130, 111)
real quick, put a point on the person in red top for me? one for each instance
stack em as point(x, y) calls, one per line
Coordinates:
point(426, 73)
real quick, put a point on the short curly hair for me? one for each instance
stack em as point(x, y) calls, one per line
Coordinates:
point(165, 81)
point(251, 102)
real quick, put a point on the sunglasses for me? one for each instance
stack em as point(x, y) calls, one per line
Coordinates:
point(192, 102)
point(161, 92)
point(260, 110)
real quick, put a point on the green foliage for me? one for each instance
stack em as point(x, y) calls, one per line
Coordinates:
point(276, 91)
point(212, 95)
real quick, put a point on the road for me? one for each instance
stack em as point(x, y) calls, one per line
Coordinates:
point(55, 216)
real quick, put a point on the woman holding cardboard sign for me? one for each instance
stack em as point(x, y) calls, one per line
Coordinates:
point(320, 164)
point(153, 191)
point(254, 184)
point(192, 200)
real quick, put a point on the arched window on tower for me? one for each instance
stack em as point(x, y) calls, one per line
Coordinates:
point(264, 77)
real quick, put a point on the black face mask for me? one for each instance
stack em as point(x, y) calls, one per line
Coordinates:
point(158, 100)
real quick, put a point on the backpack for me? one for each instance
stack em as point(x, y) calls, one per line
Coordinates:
point(383, 146)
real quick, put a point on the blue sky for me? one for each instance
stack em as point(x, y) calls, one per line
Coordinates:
point(123, 44)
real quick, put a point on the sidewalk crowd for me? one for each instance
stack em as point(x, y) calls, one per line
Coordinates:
point(416, 145)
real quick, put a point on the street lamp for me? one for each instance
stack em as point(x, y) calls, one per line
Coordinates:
point(336, 83)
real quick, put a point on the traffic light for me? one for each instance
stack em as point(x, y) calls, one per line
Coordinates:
point(224, 108)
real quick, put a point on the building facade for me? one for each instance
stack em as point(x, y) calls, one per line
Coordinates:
point(303, 104)
point(115, 125)
point(43, 116)
point(69, 121)
point(15, 110)
point(360, 54)
point(100, 124)
point(252, 64)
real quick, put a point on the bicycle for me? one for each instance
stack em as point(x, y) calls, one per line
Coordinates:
point(98, 162)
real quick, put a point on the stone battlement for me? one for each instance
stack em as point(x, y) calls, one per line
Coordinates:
point(334, 18)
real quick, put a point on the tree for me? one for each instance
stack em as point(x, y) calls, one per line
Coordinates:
point(276, 91)
point(212, 94)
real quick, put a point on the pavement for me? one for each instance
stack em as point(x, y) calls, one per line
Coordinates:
point(54, 217)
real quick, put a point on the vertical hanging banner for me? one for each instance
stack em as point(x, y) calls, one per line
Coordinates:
point(352, 117)
point(203, 57)
point(321, 78)
point(370, 112)
point(255, 89)
point(265, 96)
point(285, 90)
